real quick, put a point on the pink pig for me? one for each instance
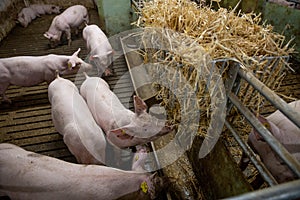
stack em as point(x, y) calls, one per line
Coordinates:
point(26, 16)
point(33, 70)
point(123, 127)
point(27, 175)
point(72, 17)
point(42, 9)
point(73, 119)
point(287, 133)
point(99, 48)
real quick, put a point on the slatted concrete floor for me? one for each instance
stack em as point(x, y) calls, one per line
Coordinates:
point(27, 121)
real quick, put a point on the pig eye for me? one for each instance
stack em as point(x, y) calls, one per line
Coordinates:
point(78, 64)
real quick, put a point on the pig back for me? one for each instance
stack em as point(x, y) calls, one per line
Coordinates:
point(27, 175)
point(284, 124)
point(96, 40)
point(73, 120)
point(61, 94)
point(105, 106)
point(74, 16)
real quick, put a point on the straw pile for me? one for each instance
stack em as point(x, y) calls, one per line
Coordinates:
point(222, 34)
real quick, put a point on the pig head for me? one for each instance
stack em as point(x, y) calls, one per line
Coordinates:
point(142, 129)
point(27, 175)
point(287, 133)
point(123, 127)
point(33, 70)
point(73, 120)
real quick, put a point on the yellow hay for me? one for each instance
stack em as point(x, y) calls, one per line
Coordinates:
point(222, 34)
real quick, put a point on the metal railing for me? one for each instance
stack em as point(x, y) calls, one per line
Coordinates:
point(287, 191)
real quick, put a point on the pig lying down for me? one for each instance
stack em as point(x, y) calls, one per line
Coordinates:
point(42, 9)
point(27, 175)
point(71, 18)
point(123, 127)
point(72, 119)
point(35, 10)
point(100, 50)
point(287, 133)
point(33, 70)
point(26, 16)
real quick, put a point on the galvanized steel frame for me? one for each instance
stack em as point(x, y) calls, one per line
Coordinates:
point(236, 73)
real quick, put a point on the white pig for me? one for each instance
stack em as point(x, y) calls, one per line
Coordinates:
point(27, 175)
point(287, 133)
point(32, 70)
point(74, 121)
point(42, 9)
point(26, 16)
point(99, 48)
point(72, 17)
point(123, 127)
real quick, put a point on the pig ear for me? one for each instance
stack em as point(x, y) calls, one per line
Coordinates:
point(46, 36)
point(109, 52)
point(93, 57)
point(121, 133)
point(139, 105)
point(265, 123)
point(77, 52)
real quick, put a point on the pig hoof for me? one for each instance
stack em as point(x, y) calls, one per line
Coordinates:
point(108, 72)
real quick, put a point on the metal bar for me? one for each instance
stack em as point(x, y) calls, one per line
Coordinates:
point(267, 176)
point(135, 4)
point(271, 96)
point(291, 162)
point(232, 83)
point(283, 191)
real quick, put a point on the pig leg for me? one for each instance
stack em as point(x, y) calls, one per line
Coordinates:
point(68, 33)
point(109, 70)
point(3, 88)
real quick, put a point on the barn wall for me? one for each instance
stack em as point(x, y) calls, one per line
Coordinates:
point(8, 13)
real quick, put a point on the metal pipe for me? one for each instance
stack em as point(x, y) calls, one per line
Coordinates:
point(267, 176)
point(283, 191)
point(291, 162)
point(271, 96)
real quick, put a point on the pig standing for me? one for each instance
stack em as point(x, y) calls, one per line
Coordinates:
point(27, 175)
point(72, 17)
point(73, 119)
point(287, 133)
point(42, 9)
point(123, 127)
point(99, 48)
point(32, 70)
